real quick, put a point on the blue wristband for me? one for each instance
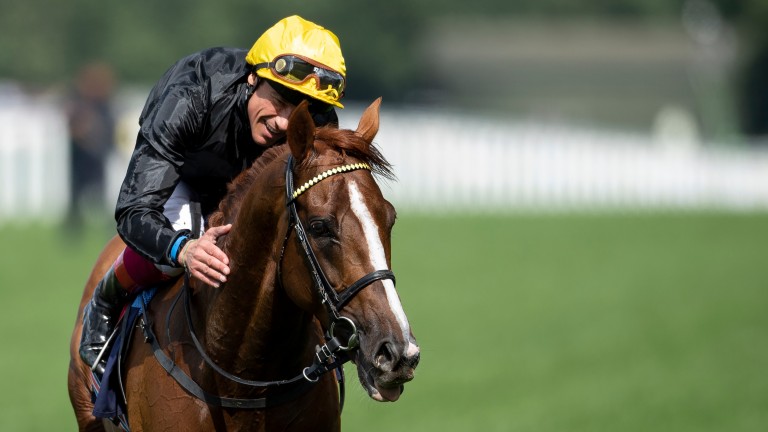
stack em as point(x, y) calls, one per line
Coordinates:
point(176, 248)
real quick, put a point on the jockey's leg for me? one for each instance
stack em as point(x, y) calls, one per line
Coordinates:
point(128, 275)
point(125, 277)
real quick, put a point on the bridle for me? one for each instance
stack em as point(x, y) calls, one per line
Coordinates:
point(330, 356)
point(332, 300)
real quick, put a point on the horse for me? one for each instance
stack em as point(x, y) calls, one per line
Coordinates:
point(310, 287)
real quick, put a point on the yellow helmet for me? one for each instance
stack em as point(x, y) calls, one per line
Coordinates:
point(302, 56)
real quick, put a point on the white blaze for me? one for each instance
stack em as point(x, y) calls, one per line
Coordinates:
point(378, 257)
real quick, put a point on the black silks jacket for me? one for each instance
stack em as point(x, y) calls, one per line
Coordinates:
point(194, 127)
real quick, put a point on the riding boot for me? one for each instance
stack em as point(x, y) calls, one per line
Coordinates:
point(99, 317)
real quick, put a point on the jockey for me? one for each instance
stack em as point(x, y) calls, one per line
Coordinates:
point(207, 119)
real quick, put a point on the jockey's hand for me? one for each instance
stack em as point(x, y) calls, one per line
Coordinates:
point(204, 260)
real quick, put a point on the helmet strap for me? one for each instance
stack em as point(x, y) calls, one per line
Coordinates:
point(249, 91)
point(251, 88)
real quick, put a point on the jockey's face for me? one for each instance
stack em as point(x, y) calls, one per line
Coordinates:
point(268, 114)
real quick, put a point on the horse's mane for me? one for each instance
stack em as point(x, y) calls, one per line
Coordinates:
point(344, 141)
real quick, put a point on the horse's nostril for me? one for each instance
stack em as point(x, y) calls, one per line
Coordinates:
point(413, 361)
point(386, 357)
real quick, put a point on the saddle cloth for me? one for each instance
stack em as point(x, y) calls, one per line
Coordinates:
point(107, 391)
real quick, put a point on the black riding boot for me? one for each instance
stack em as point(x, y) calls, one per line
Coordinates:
point(99, 317)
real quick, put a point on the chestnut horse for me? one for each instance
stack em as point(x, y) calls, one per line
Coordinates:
point(267, 334)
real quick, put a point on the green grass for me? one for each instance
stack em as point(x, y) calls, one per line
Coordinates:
point(561, 323)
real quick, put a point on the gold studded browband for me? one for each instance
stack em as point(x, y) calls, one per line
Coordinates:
point(326, 174)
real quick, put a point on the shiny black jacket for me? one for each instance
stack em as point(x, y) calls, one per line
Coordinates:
point(194, 127)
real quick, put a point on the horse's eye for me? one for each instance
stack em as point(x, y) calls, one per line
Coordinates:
point(318, 227)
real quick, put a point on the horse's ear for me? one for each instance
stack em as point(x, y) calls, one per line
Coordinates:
point(369, 122)
point(301, 132)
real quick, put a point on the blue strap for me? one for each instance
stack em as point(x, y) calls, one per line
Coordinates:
point(143, 299)
point(175, 248)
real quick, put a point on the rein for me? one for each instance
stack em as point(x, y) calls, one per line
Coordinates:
point(332, 355)
point(326, 359)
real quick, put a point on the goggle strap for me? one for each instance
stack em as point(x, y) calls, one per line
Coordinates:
point(262, 66)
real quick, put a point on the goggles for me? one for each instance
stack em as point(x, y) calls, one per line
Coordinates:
point(295, 69)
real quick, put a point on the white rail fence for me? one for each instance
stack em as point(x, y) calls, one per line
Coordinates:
point(445, 163)
point(34, 169)
point(452, 163)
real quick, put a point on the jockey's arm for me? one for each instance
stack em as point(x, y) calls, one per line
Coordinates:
point(170, 119)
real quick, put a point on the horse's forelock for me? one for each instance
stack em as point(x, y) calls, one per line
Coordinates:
point(349, 142)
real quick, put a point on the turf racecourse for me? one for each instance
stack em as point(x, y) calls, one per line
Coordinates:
point(561, 323)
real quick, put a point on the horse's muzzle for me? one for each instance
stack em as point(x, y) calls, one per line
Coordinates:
point(391, 367)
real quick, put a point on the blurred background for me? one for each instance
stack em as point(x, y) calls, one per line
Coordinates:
point(582, 193)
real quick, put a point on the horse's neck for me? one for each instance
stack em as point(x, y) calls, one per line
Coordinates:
point(251, 324)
